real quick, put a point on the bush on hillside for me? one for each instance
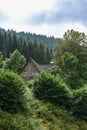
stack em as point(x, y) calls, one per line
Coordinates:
point(72, 80)
point(80, 103)
point(12, 92)
point(55, 70)
point(52, 89)
point(16, 62)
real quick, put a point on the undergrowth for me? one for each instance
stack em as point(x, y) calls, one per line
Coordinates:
point(41, 116)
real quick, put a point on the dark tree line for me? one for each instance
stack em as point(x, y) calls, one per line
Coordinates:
point(10, 42)
point(48, 41)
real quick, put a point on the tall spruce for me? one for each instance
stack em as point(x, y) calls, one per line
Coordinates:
point(9, 42)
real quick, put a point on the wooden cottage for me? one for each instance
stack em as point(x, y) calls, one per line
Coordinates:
point(30, 69)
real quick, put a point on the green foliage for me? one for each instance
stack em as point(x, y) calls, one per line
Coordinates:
point(70, 54)
point(83, 71)
point(69, 62)
point(52, 89)
point(1, 60)
point(30, 84)
point(68, 70)
point(12, 92)
point(42, 116)
point(16, 122)
point(69, 65)
point(72, 80)
point(16, 62)
point(80, 103)
point(55, 70)
point(72, 42)
point(29, 45)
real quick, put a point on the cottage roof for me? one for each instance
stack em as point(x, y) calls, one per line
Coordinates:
point(39, 68)
point(37, 65)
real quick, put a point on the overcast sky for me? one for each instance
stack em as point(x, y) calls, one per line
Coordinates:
point(49, 17)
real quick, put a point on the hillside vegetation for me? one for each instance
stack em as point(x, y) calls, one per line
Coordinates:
point(41, 116)
point(56, 100)
point(38, 114)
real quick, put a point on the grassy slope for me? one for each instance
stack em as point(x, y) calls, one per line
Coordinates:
point(41, 116)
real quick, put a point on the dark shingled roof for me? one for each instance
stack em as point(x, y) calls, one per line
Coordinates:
point(37, 65)
point(39, 68)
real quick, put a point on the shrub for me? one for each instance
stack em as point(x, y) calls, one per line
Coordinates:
point(55, 70)
point(12, 92)
point(72, 80)
point(30, 84)
point(16, 62)
point(80, 103)
point(52, 89)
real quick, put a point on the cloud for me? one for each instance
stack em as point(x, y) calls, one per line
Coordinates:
point(3, 17)
point(74, 11)
point(50, 17)
point(63, 12)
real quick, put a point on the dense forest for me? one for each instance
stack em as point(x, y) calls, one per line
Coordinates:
point(10, 41)
point(47, 41)
point(54, 100)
